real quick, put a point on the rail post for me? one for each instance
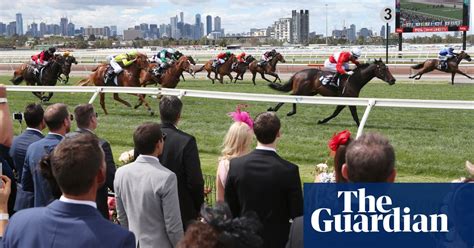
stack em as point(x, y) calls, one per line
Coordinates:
point(365, 117)
point(96, 93)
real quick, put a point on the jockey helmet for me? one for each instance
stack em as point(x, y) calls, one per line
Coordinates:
point(170, 50)
point(243, 54)
point(356, 53)
point(65, 54)
point(52, 50)
point(227, 53)
point(133, 53)
point(450, 49)
point(273, 51)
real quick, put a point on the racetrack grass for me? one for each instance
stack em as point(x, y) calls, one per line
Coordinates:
point(431, 145)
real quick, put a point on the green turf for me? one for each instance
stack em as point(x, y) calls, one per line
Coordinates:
point(447, 11)
point(431, 145)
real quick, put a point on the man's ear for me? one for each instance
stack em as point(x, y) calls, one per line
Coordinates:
point(279, 133)
point(345, 172)
point(392, 176)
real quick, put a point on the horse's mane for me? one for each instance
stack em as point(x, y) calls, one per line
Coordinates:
point(362, 66)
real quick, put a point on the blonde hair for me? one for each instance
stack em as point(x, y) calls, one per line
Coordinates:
point(237, 141)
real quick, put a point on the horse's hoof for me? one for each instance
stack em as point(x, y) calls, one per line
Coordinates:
point(152, 113)
point(290, 114)
point(136, 106)
point(270, 110)
point(320, 122)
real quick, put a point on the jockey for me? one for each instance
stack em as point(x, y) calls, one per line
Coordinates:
point(240, 59)
point(165, 58)
point(444, 55)
point(267, 56)
point(43, 57)
point(126, 59)
point(221, 59)
point(339, 63)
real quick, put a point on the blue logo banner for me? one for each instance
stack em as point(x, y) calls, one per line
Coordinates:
point(389, 215)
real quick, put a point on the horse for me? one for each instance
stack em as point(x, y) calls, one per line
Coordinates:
point(307, 83)
point(269, 68)
point(241, 68)
point(68, 61)
point(193, 63)
point(170, 78)
point(223, 70)
point(49, 75)
point(129, 77)
point(433, 64)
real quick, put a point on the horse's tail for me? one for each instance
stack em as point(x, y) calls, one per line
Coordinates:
point(200, 69)
point(418, 66)
point(285, 87)
point(84, 82)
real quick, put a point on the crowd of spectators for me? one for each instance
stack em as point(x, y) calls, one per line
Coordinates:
point(63, 179)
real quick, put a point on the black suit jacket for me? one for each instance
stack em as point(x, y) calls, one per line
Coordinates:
point(180, 155)
point(102, 192)
point(295, 240)
point(265, 183)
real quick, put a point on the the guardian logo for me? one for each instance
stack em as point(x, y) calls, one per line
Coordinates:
point(365, 214)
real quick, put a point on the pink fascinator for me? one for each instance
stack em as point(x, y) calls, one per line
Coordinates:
point(241, 116)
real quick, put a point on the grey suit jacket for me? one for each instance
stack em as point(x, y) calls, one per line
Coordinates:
point(147, 202)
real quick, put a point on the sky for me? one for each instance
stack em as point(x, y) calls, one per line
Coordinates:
point(237, 15)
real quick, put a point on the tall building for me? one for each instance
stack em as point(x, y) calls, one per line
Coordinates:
point(208, 24)
point(63, 26)
point(382, 31)
point(19, 24)
point(174, 27)
point(153, 32)
point(42, 29)
point(11, 29)
point(145, 30)
point(217, 24)
point(34, 29)
point(181, 17)
point(351, 33)
point(197, 27)
point(283, 29)
point(364, 32)
point(70, 29)
point(300, 26)
point(113, 30)
point(3, 28)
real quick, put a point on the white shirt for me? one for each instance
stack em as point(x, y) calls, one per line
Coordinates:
point(34, 129)
point(266, 148)
point(148, 156)
point(72, 201)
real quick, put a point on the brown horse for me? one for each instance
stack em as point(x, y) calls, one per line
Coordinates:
point(307, 83)
point(223, 70)
point(49, 75)
point(241, 68)
point(433, 64)
point(129, 77)
point(68, 61)
point(269, 68)
point(170, 78)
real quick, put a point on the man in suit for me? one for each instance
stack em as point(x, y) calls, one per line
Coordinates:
point(33, 116)
point(78, 166)
point(86, 120)
point(58, 121)
point(263, 182)
point(147, 193)
point(181, 156)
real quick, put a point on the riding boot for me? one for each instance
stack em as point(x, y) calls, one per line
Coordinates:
point(109, 78)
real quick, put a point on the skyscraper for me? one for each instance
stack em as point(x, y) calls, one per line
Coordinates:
point(63, 26)
point(181, 17)
point(113, 30)
point(382, 31)
point(217, 24)
point(19, 24)
point(174, 27)
point(197, 27)
point(70, 29)
point(43, 29)
point(208, 24)
point(300, 26)
point(34, 29)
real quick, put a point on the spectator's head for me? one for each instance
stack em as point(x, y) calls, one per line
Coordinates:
point(57, 118)
point(170, 109)
point(237, 141)
point(338, 145)
point(218, 229)
point(148, 139)
point(86, 116)
point(34, 116)
point(267, 128)
point(370, 158)
point(78, 165)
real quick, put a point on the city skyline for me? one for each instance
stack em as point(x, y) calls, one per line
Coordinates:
point(239, 15)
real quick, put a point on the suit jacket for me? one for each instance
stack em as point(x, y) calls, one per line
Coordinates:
point(295, 240)
point(147, 202)
point(63, 224)
point(102, 192)
point(20, 145)
point(265, 183)
point(180, 155)
point(31, 179)
point(7, 171)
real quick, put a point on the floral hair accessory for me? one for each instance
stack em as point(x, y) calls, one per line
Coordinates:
point(242, 116)
point(339, 139)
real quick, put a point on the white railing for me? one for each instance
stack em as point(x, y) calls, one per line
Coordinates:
point(368, 102)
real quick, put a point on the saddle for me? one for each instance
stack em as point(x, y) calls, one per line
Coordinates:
point(326, 80)
point(110, 78)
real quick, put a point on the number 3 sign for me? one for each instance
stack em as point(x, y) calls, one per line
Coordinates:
point(387, 14)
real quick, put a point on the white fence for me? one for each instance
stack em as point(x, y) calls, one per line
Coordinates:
point(368, 102)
